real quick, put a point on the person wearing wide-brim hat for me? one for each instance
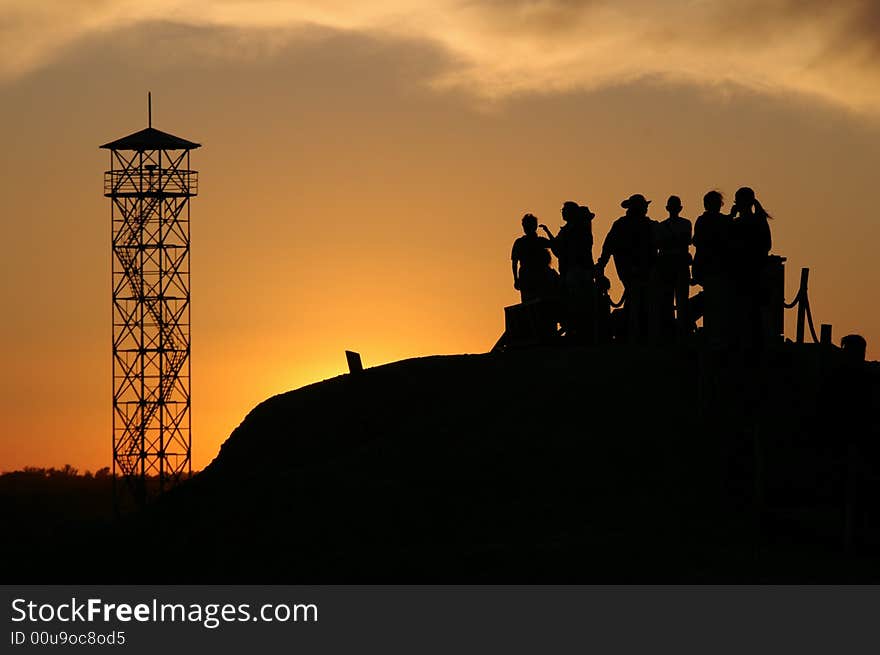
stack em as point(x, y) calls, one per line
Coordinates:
point(631, 241)
point(636, 200)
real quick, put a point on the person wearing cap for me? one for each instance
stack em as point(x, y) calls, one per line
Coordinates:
point(533, 276)
point(632, 242)
point(573, 246)
point(674, 268)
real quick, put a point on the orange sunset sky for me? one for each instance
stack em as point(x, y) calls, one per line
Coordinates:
point(365, 166)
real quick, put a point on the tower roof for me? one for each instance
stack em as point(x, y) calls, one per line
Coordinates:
point(151, 139)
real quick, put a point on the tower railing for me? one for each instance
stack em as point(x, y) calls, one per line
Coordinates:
point(148, 181)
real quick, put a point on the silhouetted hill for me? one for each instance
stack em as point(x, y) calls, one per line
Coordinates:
point(558, 465)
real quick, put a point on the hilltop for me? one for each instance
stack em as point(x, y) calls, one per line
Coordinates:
point(595, 464)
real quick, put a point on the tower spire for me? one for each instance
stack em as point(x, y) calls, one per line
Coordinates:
point(149, 109)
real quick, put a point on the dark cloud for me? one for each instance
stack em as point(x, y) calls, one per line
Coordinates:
point(496, 48)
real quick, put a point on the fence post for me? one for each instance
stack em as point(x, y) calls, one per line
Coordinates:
point(825, 334)
point(802, 304)
point(854, 345)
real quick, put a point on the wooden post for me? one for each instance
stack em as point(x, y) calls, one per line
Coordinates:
point(354, 362)
point(825, 334)
point(802, 305)
point(854, 345)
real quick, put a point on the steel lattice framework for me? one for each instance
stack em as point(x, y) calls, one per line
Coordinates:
point(150, 184)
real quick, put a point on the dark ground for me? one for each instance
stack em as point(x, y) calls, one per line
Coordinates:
point(554, 465)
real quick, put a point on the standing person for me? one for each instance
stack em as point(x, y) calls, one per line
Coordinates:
point(711, 268)
point(573, 246)
point(530, 260)
point(632, 243)
point(674, 269)
point(751, 243)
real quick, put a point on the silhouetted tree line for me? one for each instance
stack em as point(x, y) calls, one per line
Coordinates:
point(66, 471)
point(50, 518)
point(57, 522)
point(44, 499)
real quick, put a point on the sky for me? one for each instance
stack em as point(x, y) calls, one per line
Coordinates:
point(365, 166)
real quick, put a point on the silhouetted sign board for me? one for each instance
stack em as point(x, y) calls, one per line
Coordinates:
point(354, 361)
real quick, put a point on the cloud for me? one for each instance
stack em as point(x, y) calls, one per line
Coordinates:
point(499, 48)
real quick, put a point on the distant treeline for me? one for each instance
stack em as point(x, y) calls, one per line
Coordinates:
point(49, 496)
point(52, 473)
point(41, 498)
point(50, 518)
point(67, 471)
point(58, 523)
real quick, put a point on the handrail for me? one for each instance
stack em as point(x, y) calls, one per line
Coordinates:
point(805, 314)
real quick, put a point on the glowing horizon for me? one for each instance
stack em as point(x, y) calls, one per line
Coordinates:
point(364, 168)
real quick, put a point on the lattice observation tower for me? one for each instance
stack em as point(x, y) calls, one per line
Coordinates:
point(150, 183)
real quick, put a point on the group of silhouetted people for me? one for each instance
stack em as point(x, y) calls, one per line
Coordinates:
point(654, 264)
